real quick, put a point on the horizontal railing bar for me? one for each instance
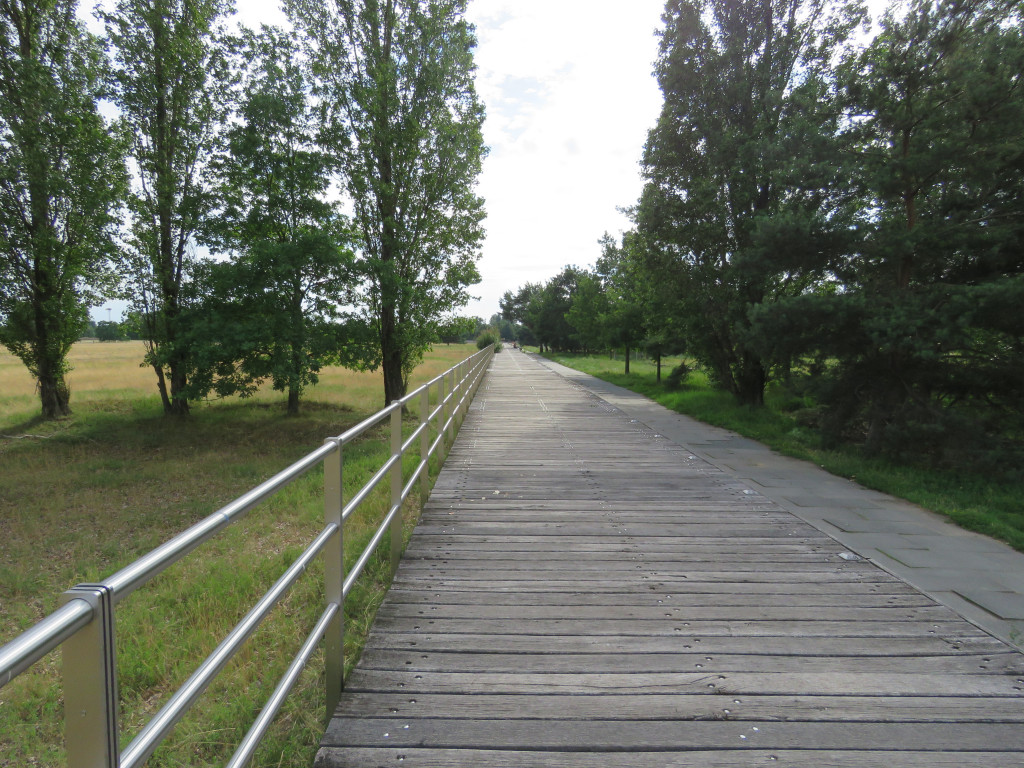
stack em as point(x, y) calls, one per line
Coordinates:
point(157, 729)
point(128, 579)
point(437, 410)
point(419, 468)
point(412, 438)
point(369, 422)
point(436, 443)
point(412, 481)
point(37, 641)
point(244, 752)
point(367, 489)
point(364, 558)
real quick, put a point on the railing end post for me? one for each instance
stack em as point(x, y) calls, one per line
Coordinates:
point(90, 684)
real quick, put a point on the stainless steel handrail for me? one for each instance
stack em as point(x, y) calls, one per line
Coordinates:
point(83, 626)
point(32, 644)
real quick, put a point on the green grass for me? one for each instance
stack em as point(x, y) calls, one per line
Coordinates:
point(82, 498)
point(975, 502)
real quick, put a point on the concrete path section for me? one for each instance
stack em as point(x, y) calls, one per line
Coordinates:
point(979, 578)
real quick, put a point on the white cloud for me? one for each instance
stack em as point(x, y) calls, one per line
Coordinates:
point(570, 97)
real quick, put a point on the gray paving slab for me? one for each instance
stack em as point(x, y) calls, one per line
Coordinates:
point(979, 578)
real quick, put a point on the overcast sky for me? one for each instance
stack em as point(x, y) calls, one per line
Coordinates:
point(570, 98)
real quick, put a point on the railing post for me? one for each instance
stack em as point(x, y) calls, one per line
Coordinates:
point(452, 405)
point(425, 441)
point(463, 388)
point(440, 414)
point(334, 578)
point(90, 684)
point(396, 488)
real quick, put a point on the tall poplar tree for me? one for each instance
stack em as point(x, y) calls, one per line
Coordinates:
point(61, 179)
point(396, 81)
point(170, 75)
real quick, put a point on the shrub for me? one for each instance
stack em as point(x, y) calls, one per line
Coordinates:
point(677, 376)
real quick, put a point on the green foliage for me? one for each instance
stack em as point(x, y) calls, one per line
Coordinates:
point(505, 329)
point(453, 330)
point(396, 84)
point(487, 338)
point(170, 76)
point(677, 376)
point(107, 330)
point(739, 170)
point(272, 312)
point(920, 353)
point(545, 310)
point(61, 179)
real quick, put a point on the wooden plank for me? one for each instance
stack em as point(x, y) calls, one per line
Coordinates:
point(722, 683)
point(967, 640)
point(797, 597)
point(1002, 664)
point(657, 735)
point(683, 707)
point(617, 612)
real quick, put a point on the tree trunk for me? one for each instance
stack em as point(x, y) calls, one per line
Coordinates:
point(751, 381)
point(627, 358)
point(657, 362)
point(179, 403)
point(53, 390)
point(168, 260)
point(161, 385)
point(293, 400)
point(391, 357)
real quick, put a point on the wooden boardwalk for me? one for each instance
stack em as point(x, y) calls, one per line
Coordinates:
point(583, 592)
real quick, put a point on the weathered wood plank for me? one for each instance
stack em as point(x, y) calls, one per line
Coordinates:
point(613, 612)
point(1002, 664)
point(798, 597)
point(839, 682)
point(682, 707)
point(628, 735)
point(967, 640)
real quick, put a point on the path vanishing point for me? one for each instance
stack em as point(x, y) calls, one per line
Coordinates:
point(584, 590)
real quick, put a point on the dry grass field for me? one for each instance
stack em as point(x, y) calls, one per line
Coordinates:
point(83, 497)
point(107, 373)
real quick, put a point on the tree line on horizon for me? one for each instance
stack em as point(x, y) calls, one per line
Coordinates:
point(215, 199)
point(837, 213)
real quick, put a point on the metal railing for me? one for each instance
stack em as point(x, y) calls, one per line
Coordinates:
point(84, 625)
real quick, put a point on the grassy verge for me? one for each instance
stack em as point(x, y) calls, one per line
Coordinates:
point(82, 498)
point(972, 501)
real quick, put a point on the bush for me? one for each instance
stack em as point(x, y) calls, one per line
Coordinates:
point(677, 376)
point(485, 339)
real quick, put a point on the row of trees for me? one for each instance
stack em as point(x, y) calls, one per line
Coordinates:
point(844, 215)
point(246, 147)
